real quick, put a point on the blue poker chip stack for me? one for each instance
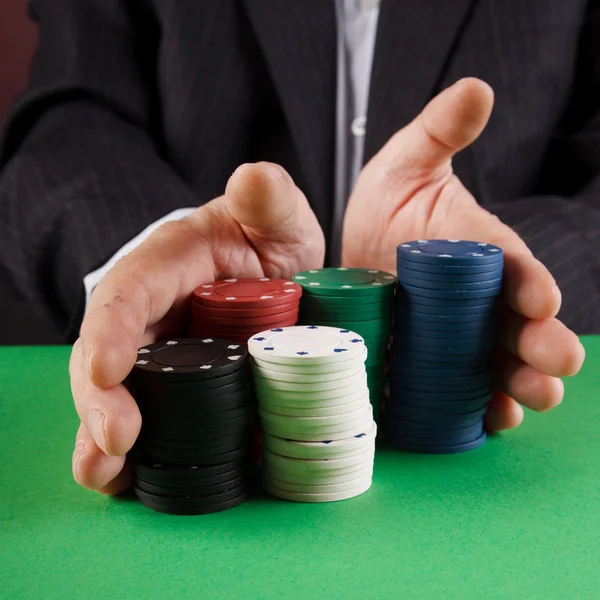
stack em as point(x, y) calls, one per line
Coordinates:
point(444, 332)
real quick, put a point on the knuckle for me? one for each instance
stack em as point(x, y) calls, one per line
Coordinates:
point(168, 230)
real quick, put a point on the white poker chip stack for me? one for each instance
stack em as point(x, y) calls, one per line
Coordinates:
point(313, 400)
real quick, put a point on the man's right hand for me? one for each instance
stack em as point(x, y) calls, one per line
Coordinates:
point(261, 227)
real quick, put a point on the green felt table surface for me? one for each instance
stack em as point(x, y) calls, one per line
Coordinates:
point(518, 518)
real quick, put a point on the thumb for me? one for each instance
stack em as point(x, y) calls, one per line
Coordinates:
point(274, 213)
point(450, 122)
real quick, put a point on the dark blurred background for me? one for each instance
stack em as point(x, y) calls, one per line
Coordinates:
point(17, 41)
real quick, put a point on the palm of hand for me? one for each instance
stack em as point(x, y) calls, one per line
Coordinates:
point(433, 207)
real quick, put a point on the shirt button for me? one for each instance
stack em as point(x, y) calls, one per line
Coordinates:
point(359, 126)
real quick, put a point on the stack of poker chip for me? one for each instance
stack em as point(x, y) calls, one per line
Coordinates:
point(444, 333)
point(236, 309)
point(197, 407)
point(360, 300)
point(311, 387)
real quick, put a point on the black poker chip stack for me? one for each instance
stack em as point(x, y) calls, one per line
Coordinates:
point(197, 406)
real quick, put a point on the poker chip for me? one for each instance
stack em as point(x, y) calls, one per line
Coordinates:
point(198, 413)
point(421, 415)
point(323, 311)
point(300, 466)
point(345, 494)
point(420, 448)
point(454, 270)
point(311, 369)
point(440, 379)
point(458, 294)
point(198, 456)
point(307, 377)
point(313, 411)
point(301, 430)
point(449, 252)
point(320, 385)
point(247, 293)
point(241, 331)
point(273, 470)
point(425, 302)
point(417, 321)
point(314, 407)
point(236, 309)
point(311, 401)
point(309, 345)
point(350, 282)
point(224, 443)
point(345, 302)
point(177, 492)
point(152, 471)
point(475, 285)
point(196, 500)
point(322, 449)
point(188, 359)
point(316, 488)
point(318, 422)
point(418, 429)
point(428, 355)
point(186, 506)
point(234, 381)
point(359, 300)
point(318, 477)
point(421, 277)
point(244, 323)
point(413, 332)
point(292, 429)
point(446, 346)
point(196, 402)
point(413, 381)
point(448, 407)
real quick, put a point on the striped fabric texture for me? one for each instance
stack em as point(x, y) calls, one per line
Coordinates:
point(138, 107)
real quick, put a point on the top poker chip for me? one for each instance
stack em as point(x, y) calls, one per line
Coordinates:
point(306, 344)
point(248, 293)
point(343, 281)
point(450, 252)
point(189, 359)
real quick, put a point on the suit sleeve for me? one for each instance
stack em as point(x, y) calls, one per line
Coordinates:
point(82, 173)
point(561, 224)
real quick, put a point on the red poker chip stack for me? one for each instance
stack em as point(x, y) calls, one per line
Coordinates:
point(236, 309)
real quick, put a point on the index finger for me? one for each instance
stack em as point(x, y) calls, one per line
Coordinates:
point(138, 292)
point(528, 287)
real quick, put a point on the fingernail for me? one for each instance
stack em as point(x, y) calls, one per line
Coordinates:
point(88, 353)
point(78, 454)
point(96, 424)
point(79, 448)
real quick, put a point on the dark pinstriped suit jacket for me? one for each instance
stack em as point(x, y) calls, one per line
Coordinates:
point(138, 107)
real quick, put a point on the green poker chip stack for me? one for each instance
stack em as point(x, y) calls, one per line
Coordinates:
point(357, 299)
